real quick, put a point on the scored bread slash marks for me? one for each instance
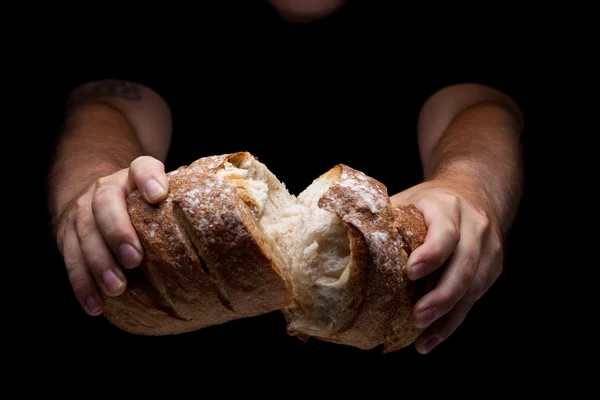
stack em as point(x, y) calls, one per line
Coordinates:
point(188, 237)
point(147, 295)
point(328, 258)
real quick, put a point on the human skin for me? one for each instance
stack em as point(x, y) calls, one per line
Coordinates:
point(116, 136)
point(471, 156)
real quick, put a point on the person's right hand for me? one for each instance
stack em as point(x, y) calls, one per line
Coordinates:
point(96, 237)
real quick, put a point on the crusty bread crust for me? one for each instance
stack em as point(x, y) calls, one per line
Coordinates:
point(206, 262)
point(411, 226)
point(381, 239)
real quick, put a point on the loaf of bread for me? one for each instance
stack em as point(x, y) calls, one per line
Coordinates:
point(231, 242)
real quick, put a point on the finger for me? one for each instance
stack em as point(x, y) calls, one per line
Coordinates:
point(490, 266)
point(81, 279)
point(109, 209)
point(454, 283)
point(443, 234)
point(445, 326)
point(108, 275)
point(148, 175)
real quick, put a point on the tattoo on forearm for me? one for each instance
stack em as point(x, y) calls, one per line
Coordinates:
point(111, 87)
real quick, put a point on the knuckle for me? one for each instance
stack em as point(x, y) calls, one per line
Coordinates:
point(424, 204)
point(81, 204)
point(104, 180)
point(101, 198)
point(145, 162)
point(482, 221)
point(447, 197)
point(98, 262)
point(140, 160)
point(71, 263)
point(81, 286)
point(496, 245)
point(158, 164)
point(451, 229)
point(84, 227)
point(117, 231)
point(79, 281)
point(446, 300)
point(451, 200)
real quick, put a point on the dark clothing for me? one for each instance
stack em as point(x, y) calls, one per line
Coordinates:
point(301, 98)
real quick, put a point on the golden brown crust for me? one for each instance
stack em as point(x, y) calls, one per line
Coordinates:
point(379, 253)
point(142, 310)
point(205, 261)
point(235, 251)
point(208, 262)
point(411, 226)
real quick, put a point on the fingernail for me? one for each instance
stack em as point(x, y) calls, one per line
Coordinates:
point(154, 190)
point(92, 304)
point(128, 255)
point(431, 343)
point(425, 318)
point(417, 271)
point(111, 280)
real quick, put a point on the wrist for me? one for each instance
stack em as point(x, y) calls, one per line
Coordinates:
point(67, 185)
point(471, 181)
point(464, 175)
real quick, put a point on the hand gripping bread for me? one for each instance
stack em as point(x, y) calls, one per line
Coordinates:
point(206, 259)
point(230, 242)
point(346, 250)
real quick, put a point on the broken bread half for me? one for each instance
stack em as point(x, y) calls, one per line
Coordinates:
point(230, 242)
point(206, 258)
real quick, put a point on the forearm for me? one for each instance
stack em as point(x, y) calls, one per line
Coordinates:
point(97, 140)
point(479, 154)
point(108, 124)
point(470, 150)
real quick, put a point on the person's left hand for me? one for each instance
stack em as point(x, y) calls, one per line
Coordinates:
point(464, 236)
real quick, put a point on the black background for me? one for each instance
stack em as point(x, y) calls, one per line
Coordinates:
point(518, 323)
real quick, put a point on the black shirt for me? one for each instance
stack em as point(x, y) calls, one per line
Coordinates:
point(302, 98)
